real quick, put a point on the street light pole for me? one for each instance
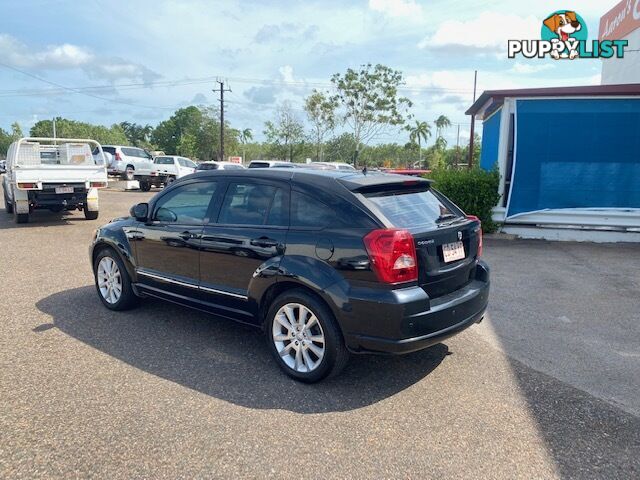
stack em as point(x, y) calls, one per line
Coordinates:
point(473, 121)
point(221, 90)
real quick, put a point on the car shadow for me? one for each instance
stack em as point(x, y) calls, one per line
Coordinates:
point(224, 359)
point(41, 218)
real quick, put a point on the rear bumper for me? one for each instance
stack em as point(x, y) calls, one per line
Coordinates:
point(408, 320)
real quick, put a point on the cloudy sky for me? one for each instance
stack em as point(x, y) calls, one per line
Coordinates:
point(106, 61)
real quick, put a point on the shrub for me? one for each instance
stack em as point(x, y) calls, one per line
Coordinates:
point(475, 191)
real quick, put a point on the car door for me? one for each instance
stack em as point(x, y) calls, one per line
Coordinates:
point(248, 235)
point(168, 244)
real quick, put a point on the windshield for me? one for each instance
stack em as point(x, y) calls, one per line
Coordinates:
point(413, 208)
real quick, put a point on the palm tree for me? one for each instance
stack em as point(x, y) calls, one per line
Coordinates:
point(441, 122)
point(245, 136)
point(420, 131)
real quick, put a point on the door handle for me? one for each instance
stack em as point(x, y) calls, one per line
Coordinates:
point(264, 242)
point(187, 236)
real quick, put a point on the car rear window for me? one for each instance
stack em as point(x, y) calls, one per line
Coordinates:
point(163, 161)
point(258, 164)
point(208, 166)
point(413, 208)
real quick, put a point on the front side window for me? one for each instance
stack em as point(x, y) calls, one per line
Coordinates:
point(188, 163)
point(252, 204)
point(187, 204)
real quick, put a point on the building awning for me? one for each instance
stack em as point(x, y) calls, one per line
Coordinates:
point(490, 100)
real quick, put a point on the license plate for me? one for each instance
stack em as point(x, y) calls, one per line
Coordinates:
point(453, 251)
point(64, 189)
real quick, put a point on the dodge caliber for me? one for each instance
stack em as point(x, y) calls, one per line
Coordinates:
point(325, 263)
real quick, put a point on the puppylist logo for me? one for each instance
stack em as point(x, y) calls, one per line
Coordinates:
point(564, 35)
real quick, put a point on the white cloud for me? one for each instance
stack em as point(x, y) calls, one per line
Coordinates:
point(67, 56)
point(397, 8)
point(529, 68)
point(16, 53)
point(488, 31)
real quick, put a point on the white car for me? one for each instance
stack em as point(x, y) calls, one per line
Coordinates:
point(331, 165)
point(220, 166)
point(54, 174)
point(271, 164)
point(126, 160)
point(163, 171)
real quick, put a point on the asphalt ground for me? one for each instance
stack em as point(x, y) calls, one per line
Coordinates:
point(546, 387)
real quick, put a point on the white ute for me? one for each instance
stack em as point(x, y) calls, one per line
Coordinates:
point(53, 174)
point(165, 169)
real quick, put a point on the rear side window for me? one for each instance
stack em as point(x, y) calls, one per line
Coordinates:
point(306, 211)
point(406, 209)
point(135, 152)
point(252, 204)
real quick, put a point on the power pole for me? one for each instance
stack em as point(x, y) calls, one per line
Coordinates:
point(221, 89)
point(473, 121)
point(458, 149)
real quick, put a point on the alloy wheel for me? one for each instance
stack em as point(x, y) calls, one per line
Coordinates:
point(298, 337)
point(109, 280)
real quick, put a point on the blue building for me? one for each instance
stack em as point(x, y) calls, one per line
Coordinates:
point(569, 160)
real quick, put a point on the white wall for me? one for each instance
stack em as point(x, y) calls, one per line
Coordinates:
point(627, 69)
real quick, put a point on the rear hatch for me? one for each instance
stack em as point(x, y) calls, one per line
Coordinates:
point(446, 240)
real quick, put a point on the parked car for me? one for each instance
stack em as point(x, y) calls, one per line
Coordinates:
point(54, 174)
point(126, 160)
point(163, 171)
point(220, 166)
point(324, 262)
point(332, 166)
point(3, 166)
point(270, 164)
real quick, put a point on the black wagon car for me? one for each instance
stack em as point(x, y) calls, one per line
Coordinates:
point(324, 262)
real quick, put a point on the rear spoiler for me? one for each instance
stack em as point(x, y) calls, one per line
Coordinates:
point(382, 182)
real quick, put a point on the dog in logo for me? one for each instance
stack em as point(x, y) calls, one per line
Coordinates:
point(564, 25)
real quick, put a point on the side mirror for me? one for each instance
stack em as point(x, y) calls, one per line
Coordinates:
point(140, 211)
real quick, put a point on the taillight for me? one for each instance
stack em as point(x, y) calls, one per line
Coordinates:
point(393, 255)
point(118, 157)
point(476, 219)
point(98, 184)
point(28, 186)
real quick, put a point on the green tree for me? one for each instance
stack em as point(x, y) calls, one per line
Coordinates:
point(321, 112)
point(138, 135)
point(245, 136)
point(16, 131)
point(285, 135)
point(340, 148)
point(418, 132)
point(66, 128)
point(442, 122)
point(370, 101)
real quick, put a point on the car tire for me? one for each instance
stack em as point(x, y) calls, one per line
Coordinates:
point(170, 180)
point(313, 352)
point(145, 186)
point(8, 206)
point(90, 214)
point(19, 217)
point(107, 261)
